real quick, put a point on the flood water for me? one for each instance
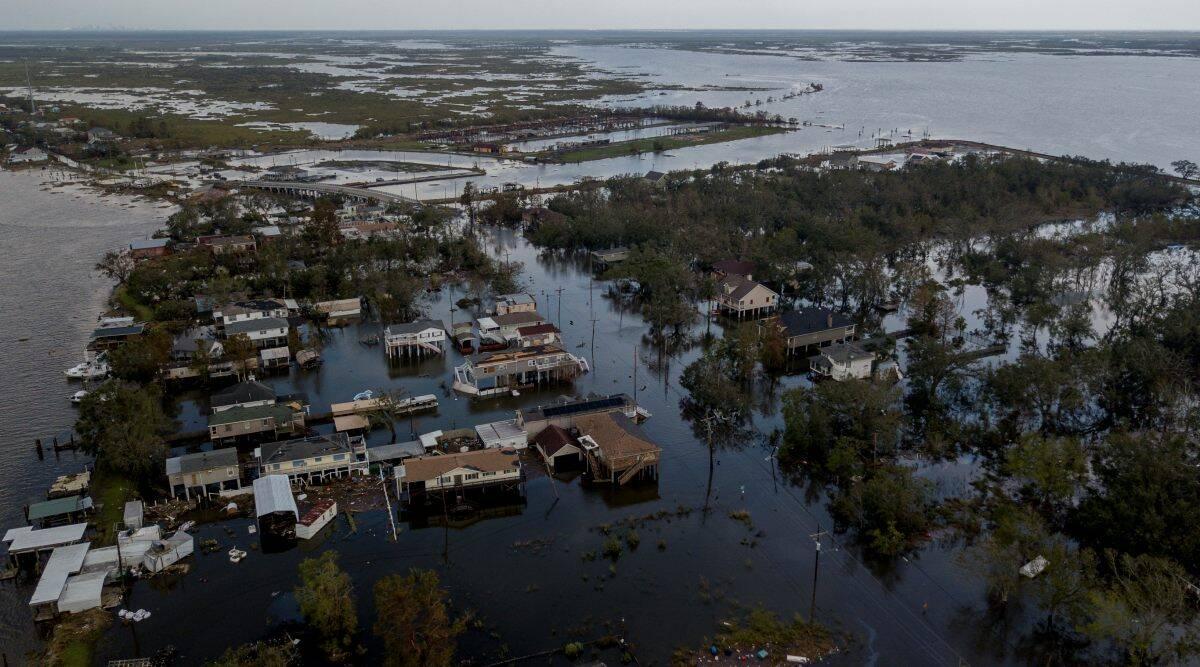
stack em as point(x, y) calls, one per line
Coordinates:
point(524, 572)
point(50, 298)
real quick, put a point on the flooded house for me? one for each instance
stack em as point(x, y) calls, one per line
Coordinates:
point(250, 309)
point(602, 259)
point(733, 267)
point(558, 448)
point(537, 335)
point(412, 340)
point(515, 303)
point(742, 298)
point(509, 323)
point(314, 458)
point(564, 414)
point(480, 470)
point(265, 333)
point(809, 329)
point(843, 361)
point(616, 449)
point(497, 372)
point(254, 422)
point(275, 507)
point(338, 308)
point(203, 474)
point(463, 334)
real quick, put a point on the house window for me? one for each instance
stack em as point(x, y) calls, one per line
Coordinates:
point(318, 459)
point(276, 466)
point(339, 457)
point(298, 464)
point(489, 474)
point(445, 479)
point(473, 475)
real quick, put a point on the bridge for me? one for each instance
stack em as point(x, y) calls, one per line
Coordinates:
point(315, 190)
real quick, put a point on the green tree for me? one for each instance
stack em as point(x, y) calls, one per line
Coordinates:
point(1052, 470)
point(258, 654)
point(890, 509)
point(859, 414)
point(1146, 611)
point(414, 620)
point(239, 349)
point(326, 598)
point(142, 360)
point(122, 425)
point(321, 231)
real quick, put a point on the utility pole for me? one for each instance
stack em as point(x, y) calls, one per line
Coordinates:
point(386, 499)
point(812, 608)
point(560, 291)
point(29, 85)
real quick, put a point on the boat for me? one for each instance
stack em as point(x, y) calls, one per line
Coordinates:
point(88, 370)
point(236, 555)
point(364, 395)
point(78, 396)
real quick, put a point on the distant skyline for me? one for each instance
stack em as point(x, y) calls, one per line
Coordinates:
point(1173, 15)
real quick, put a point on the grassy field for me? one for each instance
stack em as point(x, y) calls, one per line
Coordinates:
point(111, 492)
point(636, 146)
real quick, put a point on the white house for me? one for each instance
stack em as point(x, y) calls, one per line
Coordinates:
point(268, 332)
point(28, 155)
point(414, 339)
point(257, 309)
point(843, 361)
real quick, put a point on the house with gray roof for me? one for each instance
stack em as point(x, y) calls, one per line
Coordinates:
point(204, 473)
point(313, 458)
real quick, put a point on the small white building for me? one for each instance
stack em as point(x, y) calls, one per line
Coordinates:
point(503, 434)
point(843, 361)
point(256, 309)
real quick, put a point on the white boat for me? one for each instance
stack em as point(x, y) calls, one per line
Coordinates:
point(364, 395)
point(88, 370)
point(236, 555)
point(78, 396)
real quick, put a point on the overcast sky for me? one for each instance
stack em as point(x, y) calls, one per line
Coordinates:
point(598, 14)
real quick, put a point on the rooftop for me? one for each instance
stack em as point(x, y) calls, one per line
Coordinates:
point(616, 435)
point(553, 438)
point(261, 324)
point(412, 327)
point(518, 319)
point(281, 413)
point(27, 538)
point(58, 507)
point(844, 353)
point(482, 460)
point(606, 404)
point(737, 267)
point(307, 447)
point(537, 329)
point(250, 391)
point(811, 320)
point(273, 493)
point(189, 463)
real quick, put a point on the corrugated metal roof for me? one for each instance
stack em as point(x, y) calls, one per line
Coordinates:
point(273, 493)
point(59, 506)
point(27, 539)
point(63, 562)
point(396, 451)
point(83, 592)
point(188, 463)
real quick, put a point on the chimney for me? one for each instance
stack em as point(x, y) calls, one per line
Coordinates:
point(829, 320)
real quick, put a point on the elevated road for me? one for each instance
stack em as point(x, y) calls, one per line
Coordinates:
point(315, 190)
